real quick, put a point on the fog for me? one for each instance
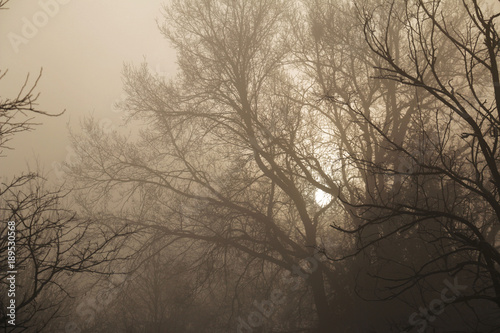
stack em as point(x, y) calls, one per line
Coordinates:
point(249, 166)
point(81, 49)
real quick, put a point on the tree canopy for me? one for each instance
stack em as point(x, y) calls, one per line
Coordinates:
point(388, 111)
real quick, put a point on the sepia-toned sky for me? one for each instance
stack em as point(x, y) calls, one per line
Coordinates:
point(81, 46)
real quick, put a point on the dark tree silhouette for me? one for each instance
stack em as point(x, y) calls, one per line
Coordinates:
point(278, 102)
point(435, 200)
point(53, 245)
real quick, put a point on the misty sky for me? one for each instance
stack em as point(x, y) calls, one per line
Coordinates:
point(82, 49)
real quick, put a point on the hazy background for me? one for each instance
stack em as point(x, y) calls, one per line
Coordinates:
point(81, 49)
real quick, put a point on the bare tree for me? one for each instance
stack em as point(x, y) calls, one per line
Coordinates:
point(47, 244)
point(441, 201)
point(277, 102)
point(52, 248)
point(223, 158)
